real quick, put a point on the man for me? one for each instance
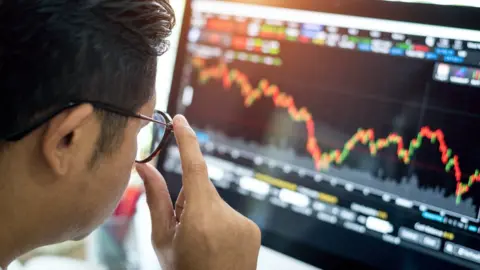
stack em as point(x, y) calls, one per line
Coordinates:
point(65, 159)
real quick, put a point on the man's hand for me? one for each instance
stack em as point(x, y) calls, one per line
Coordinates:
point(202, 232)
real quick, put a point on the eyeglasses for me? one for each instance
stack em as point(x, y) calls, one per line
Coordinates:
point(152, 138)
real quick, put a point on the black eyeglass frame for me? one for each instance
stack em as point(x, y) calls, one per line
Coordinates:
point(16, 136)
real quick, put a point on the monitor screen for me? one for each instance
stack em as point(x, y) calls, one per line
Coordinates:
point(468, 3)
point(349, 139)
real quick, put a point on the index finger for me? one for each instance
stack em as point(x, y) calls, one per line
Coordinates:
point(195, 172)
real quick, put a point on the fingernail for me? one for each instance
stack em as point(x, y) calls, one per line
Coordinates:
point(140, 171)
point(180, 120)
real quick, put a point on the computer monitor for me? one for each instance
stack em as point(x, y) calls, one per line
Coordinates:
point(347, 130)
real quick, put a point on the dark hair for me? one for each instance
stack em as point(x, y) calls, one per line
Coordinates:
point(55, 51)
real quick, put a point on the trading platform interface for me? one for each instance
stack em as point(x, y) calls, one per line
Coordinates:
point(368, 126)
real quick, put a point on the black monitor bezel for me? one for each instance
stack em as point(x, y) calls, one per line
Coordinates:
point(461, 17)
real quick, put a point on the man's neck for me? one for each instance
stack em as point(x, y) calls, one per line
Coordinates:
point(15, 237)
point(6, 256)
point(20, 230)
point(14, 220)
point(9, 249)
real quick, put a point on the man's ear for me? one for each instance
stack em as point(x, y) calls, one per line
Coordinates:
point(62, 139)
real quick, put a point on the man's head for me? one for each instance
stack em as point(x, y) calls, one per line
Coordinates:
point(68, 174)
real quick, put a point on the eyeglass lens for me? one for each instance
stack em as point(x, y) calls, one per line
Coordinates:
point(150, 137)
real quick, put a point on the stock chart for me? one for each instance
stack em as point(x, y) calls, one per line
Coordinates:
point(363, 136)
point(356, 136)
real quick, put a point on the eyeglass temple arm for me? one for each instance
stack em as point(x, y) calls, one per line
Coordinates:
point(166, 116)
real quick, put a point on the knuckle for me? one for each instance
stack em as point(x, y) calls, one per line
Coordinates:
point(251, 231)
point(198, 167)
point(189, 134)
point(254, 230)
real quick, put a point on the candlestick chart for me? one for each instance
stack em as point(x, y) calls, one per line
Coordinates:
point(406, 149)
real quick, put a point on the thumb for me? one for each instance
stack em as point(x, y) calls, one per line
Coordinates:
point(159, 202)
